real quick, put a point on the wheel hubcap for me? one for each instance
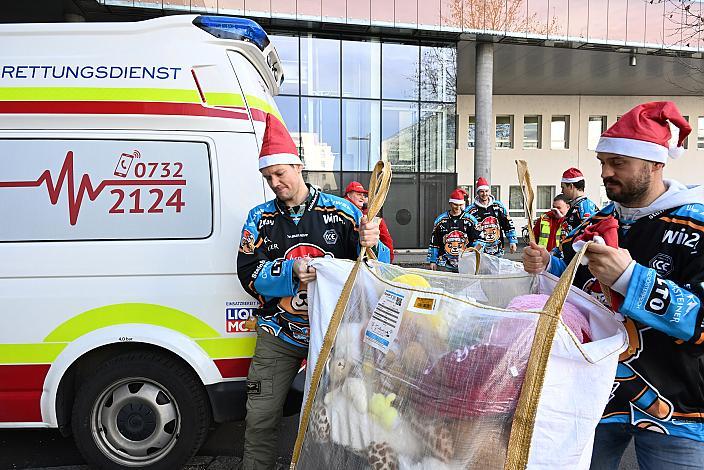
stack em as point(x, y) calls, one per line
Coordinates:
point(135, 422)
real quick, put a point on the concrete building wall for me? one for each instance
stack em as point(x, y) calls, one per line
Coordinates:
point(546, 165)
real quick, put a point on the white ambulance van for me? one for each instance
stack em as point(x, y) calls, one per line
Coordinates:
point(128, 161)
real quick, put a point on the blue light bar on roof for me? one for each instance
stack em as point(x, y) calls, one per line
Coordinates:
point(227, 27)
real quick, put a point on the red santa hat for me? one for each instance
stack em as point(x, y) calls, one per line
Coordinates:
point(482, 183)
point(357, 187)
point(278, 147)
point(644, 132)
point(572, 175)
point(457, 196)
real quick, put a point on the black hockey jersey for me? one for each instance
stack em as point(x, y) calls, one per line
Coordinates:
point(271, 242)
point(659, 383)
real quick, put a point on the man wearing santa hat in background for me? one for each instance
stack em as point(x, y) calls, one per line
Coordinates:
point(357, 195)
point(653, 266)
point(279, 237)
point(453, 232)
point(581, 208)
point(494, 221)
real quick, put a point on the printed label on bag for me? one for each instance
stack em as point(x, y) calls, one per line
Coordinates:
point(423, 302)
point(386, 319)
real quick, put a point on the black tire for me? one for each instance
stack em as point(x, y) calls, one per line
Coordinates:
point(160, 420)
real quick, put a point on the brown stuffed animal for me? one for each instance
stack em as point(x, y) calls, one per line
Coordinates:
point(381, 456)
point(319, 423)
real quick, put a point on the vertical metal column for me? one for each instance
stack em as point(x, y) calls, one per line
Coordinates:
point(483, 109)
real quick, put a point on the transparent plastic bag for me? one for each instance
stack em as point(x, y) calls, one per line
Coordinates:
point(413, 372)
point(428, 370)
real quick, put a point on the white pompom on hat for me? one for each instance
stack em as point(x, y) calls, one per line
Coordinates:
point(644, 132)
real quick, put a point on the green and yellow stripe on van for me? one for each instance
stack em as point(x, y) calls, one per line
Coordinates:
point(46, 352)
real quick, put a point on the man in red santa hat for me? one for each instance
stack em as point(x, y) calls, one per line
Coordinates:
point(279, 238)
point(453, 232)
point(357, 195)
point(652, 263)
point(487, 211)
point(581, 207)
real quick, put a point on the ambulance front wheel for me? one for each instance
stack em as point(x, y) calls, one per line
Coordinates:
point(140, 410)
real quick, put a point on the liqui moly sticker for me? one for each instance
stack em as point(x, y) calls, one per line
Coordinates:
point(385, 320)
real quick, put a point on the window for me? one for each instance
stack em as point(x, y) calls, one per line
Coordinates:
point(471, 129)
point(496, 191)
point(468, 188)
point(700, 133)
point(544, 197)
point(399, 134)
point(399, 71)
point(504, 132)
point(515, 201)
point(288, 107)
point(596, 127)
point(328, 181)
point(287, 48)
point(560, 133)
point(320, 66)
point(685, 144)
point(164, 190)
point(361, 127)
point(437, 137)
point(361, 69)
point(320, 133)
point(532, 132)
point(438, 73)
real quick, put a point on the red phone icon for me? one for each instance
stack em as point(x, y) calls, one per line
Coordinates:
point(124, 163)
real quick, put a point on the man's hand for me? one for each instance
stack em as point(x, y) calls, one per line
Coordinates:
point(302, 271)
point(512, 248)
point(369, 232)
point(433, 266)
point(535, 258)
point(607, 263)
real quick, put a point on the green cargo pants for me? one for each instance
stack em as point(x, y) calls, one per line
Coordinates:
point(273, 368)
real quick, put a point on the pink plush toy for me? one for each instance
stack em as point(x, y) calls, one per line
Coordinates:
point(571, 315)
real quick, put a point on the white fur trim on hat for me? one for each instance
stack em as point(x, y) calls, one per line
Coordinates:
point(457, 201)
point(633, 148)
point(279, 159)
point(482, 187)
point(572, 180)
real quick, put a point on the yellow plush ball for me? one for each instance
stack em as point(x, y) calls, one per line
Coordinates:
point(413, 280)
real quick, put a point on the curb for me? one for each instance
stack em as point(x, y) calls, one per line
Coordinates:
point(200, 462)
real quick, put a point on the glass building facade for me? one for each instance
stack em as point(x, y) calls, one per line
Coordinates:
point(356, 92)
point(349, 102)
point(669, 24)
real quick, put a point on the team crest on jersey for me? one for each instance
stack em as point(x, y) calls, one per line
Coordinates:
point(247, 242)
point(455, 243)
point(490, 229)
point(306, 250)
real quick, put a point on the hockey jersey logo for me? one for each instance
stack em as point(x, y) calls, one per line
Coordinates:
point(455, 243)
